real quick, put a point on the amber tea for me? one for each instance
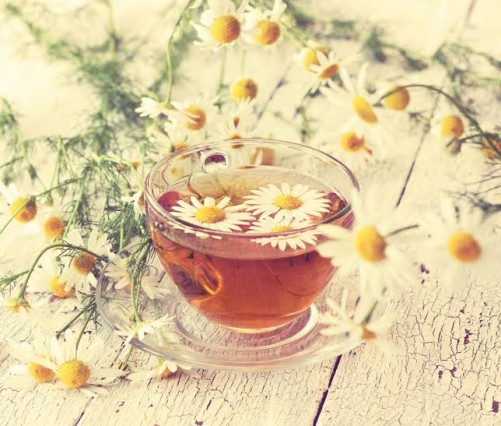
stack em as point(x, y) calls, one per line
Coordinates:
point(241, 247)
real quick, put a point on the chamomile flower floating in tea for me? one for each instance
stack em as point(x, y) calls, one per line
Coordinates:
point(152, 108)
point(286, 202)
point(369, 248)
point(77, 370)
point(37, 366)
point(264, 25)
point(209, 214)
point(461, 245)
point(78, 269)
point(272, 225)
point(220, 25)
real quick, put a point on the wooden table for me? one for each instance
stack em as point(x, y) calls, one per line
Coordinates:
point(450, 373)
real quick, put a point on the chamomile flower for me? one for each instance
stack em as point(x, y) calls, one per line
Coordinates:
point(369, 247)
point(47, 279)
point(395, 97)
point(358, 104)
point(52, 223)
point(37, 366)
point(179, 137)
point(151, 108)
point(243, 89)
point(449, 127)
point(461, 244)
point(350, 146)
point(77, 371)
point(208, 214)
point(272, 225)
point(236, 123)
point(339, 321)
point(153, 283)
point(193, 115)
point(22, 207)
point(264, 26)
point(285, 203)
point(163, 369)
point(15, 304)
point(221, 24)
point(144, 328)
point(137, 199)
point(322, 65)
point(77, 273)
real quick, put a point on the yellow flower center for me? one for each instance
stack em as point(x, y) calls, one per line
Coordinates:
point(53, 227)
point(24, 209)
point(196, 118)
point(40, 373)
point(369, 244)
point(364, 110)
point(242, 89)
point(225, 29)
point(233, 136)
point(350, 142)
point(74, 374)
point(288, 202)
point(328, 72)
point(269, 32)
point(58, 289)
point(310, 57)
point(210, 214)
point(165, 374)
point(463, 247)
point(83, 263)
point(367, 334)
point(281, 228)
point(397, 100)
point(452, 126)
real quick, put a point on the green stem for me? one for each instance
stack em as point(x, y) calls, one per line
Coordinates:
point(82, 330)
point(74, 320)
point(398, 231)
point(168, 55)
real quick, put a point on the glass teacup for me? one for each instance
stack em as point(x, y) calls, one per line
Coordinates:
point(235, 226)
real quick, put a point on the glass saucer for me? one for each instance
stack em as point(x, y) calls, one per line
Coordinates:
point(189, 339)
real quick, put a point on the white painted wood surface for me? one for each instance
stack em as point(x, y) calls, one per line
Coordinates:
point(450, 373)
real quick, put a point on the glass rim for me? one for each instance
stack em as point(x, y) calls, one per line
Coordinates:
point(193, 228)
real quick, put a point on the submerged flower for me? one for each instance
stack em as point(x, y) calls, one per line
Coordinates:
point(461, 245)
point(214, 216)
point(77, 371)
point(369, 247)
point(272, 225)
point(220, 25)
point(299, 202)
